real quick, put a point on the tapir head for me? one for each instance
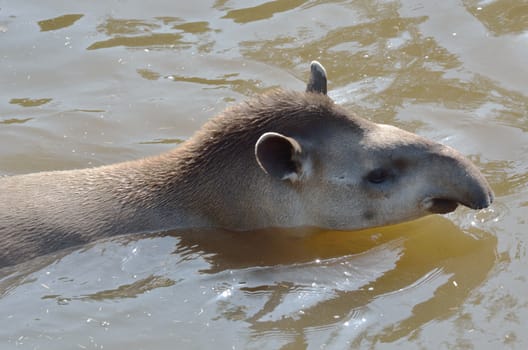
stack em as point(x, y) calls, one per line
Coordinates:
point(344, 172)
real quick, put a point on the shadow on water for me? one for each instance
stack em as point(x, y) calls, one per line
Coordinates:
point(425, 268)
point(376, 285)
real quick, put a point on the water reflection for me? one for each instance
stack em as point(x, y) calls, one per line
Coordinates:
point(200, 27)
point(365, 287)
point(132, 290)
point(157, 33)
point(15, 120)
point(394, 283)
point(263, 11)
point(500, 16)
point(150, 40)
point(385, 63)
point(59, 22)
point(419, 284)
point(29, 102)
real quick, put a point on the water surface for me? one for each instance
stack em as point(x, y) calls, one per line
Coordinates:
point(90, 83)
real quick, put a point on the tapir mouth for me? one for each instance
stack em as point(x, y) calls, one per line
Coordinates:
point(440, 205)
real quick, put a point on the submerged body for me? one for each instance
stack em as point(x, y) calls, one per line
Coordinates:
point(282, 159)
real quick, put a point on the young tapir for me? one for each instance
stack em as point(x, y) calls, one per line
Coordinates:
point(282, 159)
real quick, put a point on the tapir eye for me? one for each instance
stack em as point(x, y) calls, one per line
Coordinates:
point(378, 176)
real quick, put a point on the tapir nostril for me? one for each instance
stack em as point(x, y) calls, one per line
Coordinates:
point(486, 202)
point(479, 198)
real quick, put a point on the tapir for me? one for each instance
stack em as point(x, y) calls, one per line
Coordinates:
point(282, 159)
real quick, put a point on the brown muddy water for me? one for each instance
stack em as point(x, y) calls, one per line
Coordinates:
point(85, 83)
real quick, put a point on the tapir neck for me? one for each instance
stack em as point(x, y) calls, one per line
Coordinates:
point(179, 190)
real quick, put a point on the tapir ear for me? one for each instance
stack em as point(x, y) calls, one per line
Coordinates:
point(317, 82)
point(279, 156)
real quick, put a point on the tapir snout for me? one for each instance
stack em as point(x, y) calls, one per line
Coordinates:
point(462, 184)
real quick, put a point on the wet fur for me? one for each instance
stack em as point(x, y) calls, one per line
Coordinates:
point(214, 179)
point(54, 210)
